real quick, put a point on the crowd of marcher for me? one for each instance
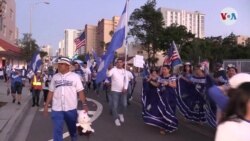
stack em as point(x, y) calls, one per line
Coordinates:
point(221, 100)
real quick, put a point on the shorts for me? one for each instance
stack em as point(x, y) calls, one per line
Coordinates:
point(16, 89)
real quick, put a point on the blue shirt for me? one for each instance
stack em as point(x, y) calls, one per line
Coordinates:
point(15, 78)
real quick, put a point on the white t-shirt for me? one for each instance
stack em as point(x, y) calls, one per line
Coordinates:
point(233, 131)
point(119, 79)
point(65, 88)
point(86, 72)
point(130, 76)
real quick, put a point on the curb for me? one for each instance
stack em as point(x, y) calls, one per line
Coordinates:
point(15, 120)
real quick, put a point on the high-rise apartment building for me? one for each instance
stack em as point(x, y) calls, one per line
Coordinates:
point(61, 50)
point(70, 47)
point(91, 39)
point(242, 40)
point(105, 30)
point(194, 21)
point(97, 38)
point(48, 49)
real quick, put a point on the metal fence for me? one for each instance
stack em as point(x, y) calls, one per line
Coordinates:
point(243, 65)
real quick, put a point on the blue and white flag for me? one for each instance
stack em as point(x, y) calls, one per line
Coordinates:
point(36, 62)
point(116, 42)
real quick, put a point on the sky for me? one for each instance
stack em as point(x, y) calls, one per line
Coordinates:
point(50, 21)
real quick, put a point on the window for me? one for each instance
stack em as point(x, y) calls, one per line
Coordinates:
point(11, 14)
point(11, 34)
point(4, 30)
point(1, 23)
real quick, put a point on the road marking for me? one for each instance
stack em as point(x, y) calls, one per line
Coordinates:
point(95, 114)
point(49, 110)
point(42, 109)
point(98, 110)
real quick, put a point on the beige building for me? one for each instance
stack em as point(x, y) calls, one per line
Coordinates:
point(91, 39)
point(48, 49)
point(105, 31)
point(9, 52)
point(61, 49)
point(194, 21)
point(242, 40)
point(97, 38)
point(70, 36)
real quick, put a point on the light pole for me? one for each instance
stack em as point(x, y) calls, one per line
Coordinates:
point(31, 10)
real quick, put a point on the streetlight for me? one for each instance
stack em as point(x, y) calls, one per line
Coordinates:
point(31, 10)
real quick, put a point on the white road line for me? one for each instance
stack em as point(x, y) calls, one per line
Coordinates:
point(95, 114)
point(98, 110)
point(49, 110)
point(42, 109)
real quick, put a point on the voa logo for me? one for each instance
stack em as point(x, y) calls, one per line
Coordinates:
point(228, 16)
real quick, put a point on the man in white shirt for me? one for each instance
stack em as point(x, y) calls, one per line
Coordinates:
point(118, 94)
point(63, 91)
point(130, 81)
point(87, 75)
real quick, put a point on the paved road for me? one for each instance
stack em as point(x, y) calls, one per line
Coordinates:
point(132, 130)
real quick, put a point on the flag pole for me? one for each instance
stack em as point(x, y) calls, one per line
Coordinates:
point(126, 32)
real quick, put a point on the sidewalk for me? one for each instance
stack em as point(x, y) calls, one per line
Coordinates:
point(12, 114)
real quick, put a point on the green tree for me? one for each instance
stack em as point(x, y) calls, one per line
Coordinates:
point(146, 26)
point(176, 33)
point(43, 54)
point(248, 42)
point(230, 40)
point(82, 57)
point(28, 47)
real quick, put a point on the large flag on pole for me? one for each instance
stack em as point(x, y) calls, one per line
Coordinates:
point(116, 42)
point(80, 41)
point(36, 62)
point(173, 57)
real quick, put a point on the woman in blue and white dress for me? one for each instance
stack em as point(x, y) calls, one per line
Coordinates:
point(167, 104)
point(197, 105)
point(186, 99)
point(150, 100)
point(205, 107)
point(158, 100)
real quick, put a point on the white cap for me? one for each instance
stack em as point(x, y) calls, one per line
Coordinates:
point(64, 60)
point(238, 79)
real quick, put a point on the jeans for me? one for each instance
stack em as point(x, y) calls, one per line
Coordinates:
point(118, 103)
point(58, 118)
point(129, 91)
point(36, 96)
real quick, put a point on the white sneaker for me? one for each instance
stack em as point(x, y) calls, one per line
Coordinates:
point(131, 98)
point(121, 117)
point(117, 122)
